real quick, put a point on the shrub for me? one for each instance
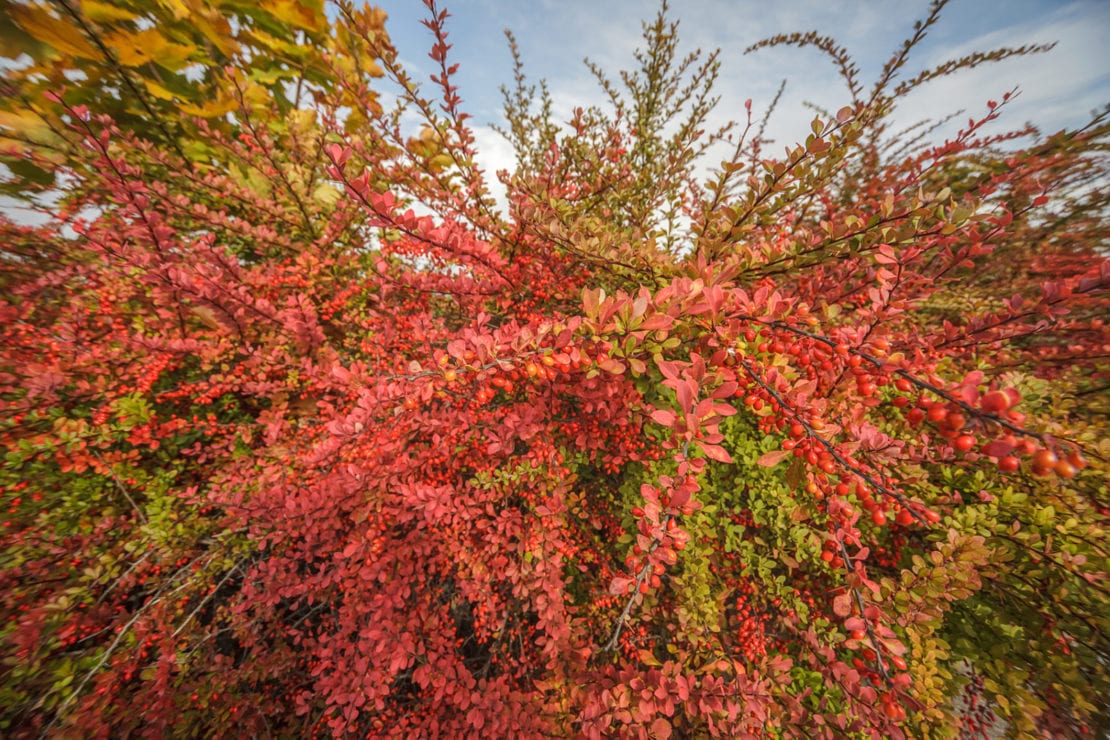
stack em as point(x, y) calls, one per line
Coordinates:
point(306, 435)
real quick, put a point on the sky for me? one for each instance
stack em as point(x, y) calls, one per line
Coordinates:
point(1058, 89)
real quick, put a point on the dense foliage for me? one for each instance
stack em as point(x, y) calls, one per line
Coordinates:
point(305, 434)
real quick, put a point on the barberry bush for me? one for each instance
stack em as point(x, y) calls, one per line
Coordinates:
point(307, 433)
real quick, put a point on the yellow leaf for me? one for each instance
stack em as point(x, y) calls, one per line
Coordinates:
point(294, 13)
point(217, 107)
point(251, 179)
point(302, 118)
point(370, 18)
point(275, 44)
point(158, 91)
point(128, 50)
point(441, 162)
point(37, 21)
point(105, 12)
point(370, 65)
point(198, 153)
point(149, 45)
point(26, 124)
point(215, 27)
point(355, 121)
point(326, 194)
point(177, 7)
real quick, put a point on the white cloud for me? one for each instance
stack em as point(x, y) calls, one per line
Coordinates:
point(494, 153)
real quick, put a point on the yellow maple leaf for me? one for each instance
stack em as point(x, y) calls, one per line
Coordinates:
point(53, 31)
point(149, 45)
point(158, 91)
point(179, 9)
point(25, 124)
point(216, 28)
point(296, 14)
point(105, 12)
point(217, 107)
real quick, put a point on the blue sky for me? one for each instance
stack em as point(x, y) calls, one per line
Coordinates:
point(1058, 89)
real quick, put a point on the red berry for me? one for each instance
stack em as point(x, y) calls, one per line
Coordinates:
point(964, 442)
point(1044, 462)
point(1065, 469)
point(1076, 460)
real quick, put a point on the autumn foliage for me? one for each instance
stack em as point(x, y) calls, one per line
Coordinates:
point(306, 433)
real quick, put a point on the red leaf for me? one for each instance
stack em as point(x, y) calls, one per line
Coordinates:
point(663, 417)
point(610, 365)
point(680, 497)
point(716, 452)
point(998, 448)
point(725, 390)
point(656, 322)
point(685, 397)
point(842, 605)
point(772, 458)
point(669, 369)
point(886, 256)
point(661, 729)
point(619, 585)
